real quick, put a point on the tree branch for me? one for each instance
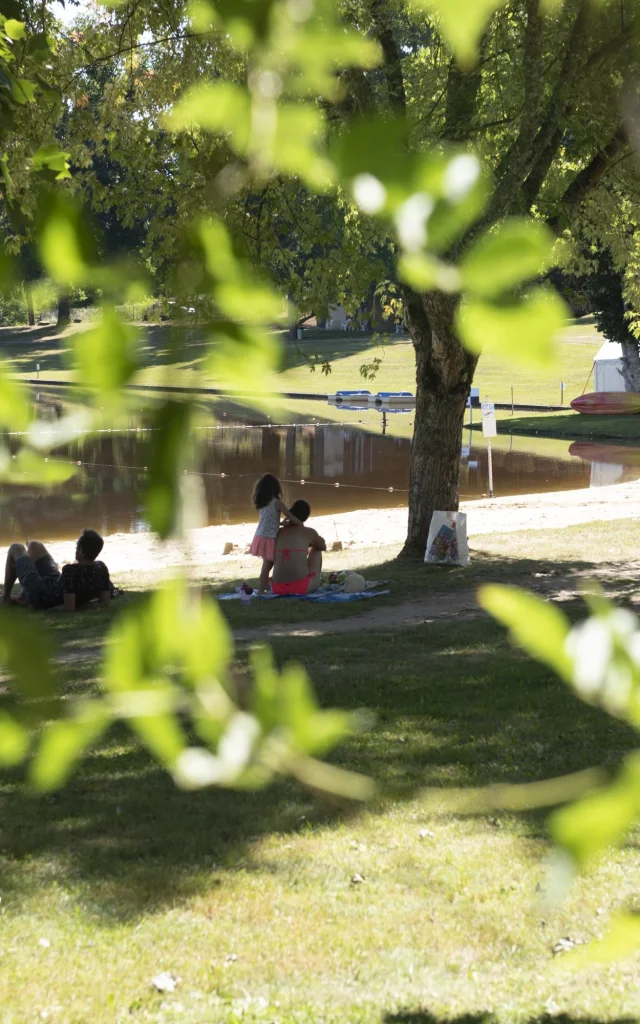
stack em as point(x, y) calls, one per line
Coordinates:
point(461, 104)
point(529, 144)
point(540, 168)
point(392, 60)
point(587, 180)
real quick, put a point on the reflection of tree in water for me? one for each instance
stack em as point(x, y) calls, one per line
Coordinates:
point(109, 494)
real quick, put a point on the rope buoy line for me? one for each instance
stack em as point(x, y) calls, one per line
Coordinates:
point(217, 426)
point(302, 482)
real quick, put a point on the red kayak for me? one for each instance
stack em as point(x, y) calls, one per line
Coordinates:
point(608, 403)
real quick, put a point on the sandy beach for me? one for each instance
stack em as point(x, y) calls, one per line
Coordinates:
point(369, 528)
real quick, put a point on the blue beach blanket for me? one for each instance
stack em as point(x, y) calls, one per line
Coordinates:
point(329, 594)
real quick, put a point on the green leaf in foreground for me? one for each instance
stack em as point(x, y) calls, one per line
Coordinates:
point(106, 356)
point(462, 23)
point(14, 405)
point(536, 625)
point(516, 252)
point(15, 29)
point(601, 819)
point(245, 359)
point(170, 429)
point(221, 107)
point(523, 331)
point(621, 940)
point(66, 244)
point(15, 740)
point(26, 651)
point(63, 743)
point(28, 467)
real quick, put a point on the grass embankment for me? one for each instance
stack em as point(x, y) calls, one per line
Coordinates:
point(248, 897)
point(26, 347)
point(570, 425)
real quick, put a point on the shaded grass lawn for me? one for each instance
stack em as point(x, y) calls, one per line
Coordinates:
point(174, 355)
point(570, 425)
point(248, 897)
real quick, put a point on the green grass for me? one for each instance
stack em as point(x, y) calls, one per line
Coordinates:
point(248, 897)
point(346, 355)
point(571, 425)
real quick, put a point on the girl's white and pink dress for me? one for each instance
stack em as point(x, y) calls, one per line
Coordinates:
point(264, 543)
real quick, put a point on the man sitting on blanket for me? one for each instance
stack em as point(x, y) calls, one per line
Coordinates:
point(44, 586)
point(298, 559)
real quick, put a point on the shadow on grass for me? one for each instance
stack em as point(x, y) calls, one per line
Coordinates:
point(425, 1017)
point(412, 581)
point(454, 705)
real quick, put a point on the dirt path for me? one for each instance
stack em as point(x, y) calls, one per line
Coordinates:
point(461, 604)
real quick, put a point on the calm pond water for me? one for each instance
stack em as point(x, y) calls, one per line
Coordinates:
point(108, 492)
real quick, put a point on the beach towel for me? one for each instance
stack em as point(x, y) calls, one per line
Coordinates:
point(330, 593)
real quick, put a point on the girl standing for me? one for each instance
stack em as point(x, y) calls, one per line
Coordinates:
point(267, 499)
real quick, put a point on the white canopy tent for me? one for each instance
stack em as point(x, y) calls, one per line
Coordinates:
point(608, 368)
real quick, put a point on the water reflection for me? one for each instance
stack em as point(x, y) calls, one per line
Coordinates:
point(610, 463)
point(371, 470)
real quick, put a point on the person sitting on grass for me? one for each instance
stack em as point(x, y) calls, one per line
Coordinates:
point(298, 555)
point(44, 586)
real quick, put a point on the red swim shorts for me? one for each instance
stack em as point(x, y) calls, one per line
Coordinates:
point(295, 587)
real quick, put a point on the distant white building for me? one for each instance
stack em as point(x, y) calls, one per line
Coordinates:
point(608, 368)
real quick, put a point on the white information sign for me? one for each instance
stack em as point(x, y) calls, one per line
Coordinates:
point(489, 428)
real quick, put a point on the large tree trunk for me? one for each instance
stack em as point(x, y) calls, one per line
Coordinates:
point(64, 310)
point(444, 372)
point(31, 316)
point(631, 364)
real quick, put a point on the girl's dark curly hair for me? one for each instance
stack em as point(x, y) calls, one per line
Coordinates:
point(267, 488)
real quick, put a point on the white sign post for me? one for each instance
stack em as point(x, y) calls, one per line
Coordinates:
point(489, 430)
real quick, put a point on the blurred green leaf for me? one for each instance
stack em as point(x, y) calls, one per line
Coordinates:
point(620, 941)
point(15, 410)
point(63, 743)
point(162, 734)
point(424, 272)
point(220, 107)
point(219, 258)
point(329, 779)
point(461, 23)
point(536, 625)
point(39, 47)
point(15, 29)
point(26, 651)
point(8, 272)
point(29, 467)
point(377, 148)
point(65, 241)
point(188, 631)
point(524, 331)
point(249, 302)
point(170, 430)
point(516, 252)
point(299, 132)
point(51, 163)
point(245, 359)
point(602, 819)
point(462, 190)
point(15, 740)
point(23, 91)
point(106, 356)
